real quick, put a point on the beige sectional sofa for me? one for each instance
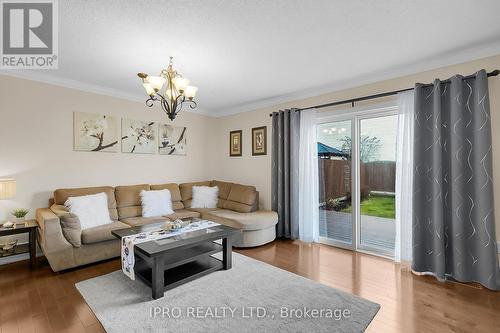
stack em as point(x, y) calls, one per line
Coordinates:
point(66, 246)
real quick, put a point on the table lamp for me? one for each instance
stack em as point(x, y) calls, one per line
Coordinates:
point(7, 189)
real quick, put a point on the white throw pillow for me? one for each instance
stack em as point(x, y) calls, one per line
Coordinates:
point(205, 197)
point(156, 203)
point(91, 210)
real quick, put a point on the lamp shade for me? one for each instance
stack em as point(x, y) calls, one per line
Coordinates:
point(180, 83)
point(149, 90)
point(7, 189)
point(190, 92)
point(156, 82)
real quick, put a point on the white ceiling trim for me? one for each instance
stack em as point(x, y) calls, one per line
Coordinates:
point(89, 88)
point(447, 59)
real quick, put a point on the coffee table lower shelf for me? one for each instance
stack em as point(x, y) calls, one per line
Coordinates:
point(178, 275)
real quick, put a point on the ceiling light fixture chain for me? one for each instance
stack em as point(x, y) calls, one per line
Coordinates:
point(177, 90)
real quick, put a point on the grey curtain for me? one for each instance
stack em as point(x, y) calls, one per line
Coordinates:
point(285, 172)
point(453, 222)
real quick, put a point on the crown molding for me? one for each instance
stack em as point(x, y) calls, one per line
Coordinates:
point(446, 59)
point(39, 76)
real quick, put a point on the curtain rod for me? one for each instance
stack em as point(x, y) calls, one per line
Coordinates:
point(389, 93)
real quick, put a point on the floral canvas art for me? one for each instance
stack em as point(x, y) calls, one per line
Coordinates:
point(138, 136)
point(95, 132)
point(172, 140)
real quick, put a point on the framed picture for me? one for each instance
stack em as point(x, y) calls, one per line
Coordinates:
point(259, 140)
point(235, 138)
point(95, 132)
point(172, 140)
point(138, 137)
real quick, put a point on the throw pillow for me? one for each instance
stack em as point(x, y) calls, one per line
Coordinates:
point(91, 210)
point(205, 197)
point(156, 203)
point(70, 225)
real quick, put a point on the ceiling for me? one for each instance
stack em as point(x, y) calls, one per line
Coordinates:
point(248, 54)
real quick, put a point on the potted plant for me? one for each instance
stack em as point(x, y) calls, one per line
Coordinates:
point(20, 215)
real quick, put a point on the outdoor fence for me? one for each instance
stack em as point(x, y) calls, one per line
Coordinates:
point(335, 177)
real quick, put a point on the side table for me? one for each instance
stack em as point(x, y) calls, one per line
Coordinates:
point(31, 228)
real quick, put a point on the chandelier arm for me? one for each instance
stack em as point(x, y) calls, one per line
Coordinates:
point(174, 106)
point(164, 105)
point(180, 108)
point(182, 100)
point(193, 104)
point(150, 101)
point(166, 108)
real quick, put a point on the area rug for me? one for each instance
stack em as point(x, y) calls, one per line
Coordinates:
point(251, 297)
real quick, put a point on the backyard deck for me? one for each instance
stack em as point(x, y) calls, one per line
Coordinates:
point(375, 231)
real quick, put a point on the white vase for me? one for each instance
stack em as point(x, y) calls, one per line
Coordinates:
point(20, 220)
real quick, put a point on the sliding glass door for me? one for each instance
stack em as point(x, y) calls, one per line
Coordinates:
point(377, 182)
point(335, 182)
point(357, 172)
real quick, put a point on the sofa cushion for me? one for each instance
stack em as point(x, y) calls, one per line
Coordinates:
point(183, 214)
point(156, 203)
point(71, 229)
point(187, 193)
point(92, 210)
point(61, 195)
point(139, 220)
point(224, 189)
point(205, 196)
point(174, 192)
point(101, 233)
point(256, 220)
point(241, 199)
point(70, 224)
point(128, 200)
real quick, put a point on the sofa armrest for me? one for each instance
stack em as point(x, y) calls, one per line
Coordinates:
point(51, 236)
point(256, 204)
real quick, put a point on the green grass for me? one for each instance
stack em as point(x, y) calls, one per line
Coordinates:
point(377, 206)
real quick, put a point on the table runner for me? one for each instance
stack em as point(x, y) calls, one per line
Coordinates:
point(128, 242)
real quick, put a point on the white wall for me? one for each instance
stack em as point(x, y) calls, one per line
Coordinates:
point(36, 144)
point(36, 139)
point(257, 170)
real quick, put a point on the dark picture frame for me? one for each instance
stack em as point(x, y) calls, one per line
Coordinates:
point(259, 141)
point(235, 144)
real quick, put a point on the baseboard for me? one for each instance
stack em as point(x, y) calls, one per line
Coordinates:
point(18, 257)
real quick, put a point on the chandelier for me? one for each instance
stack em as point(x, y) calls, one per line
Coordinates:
point(177, 91)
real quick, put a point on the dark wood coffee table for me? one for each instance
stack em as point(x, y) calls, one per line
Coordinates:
point(167, 263)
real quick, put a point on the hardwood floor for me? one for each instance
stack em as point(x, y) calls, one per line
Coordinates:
point(42, 301)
